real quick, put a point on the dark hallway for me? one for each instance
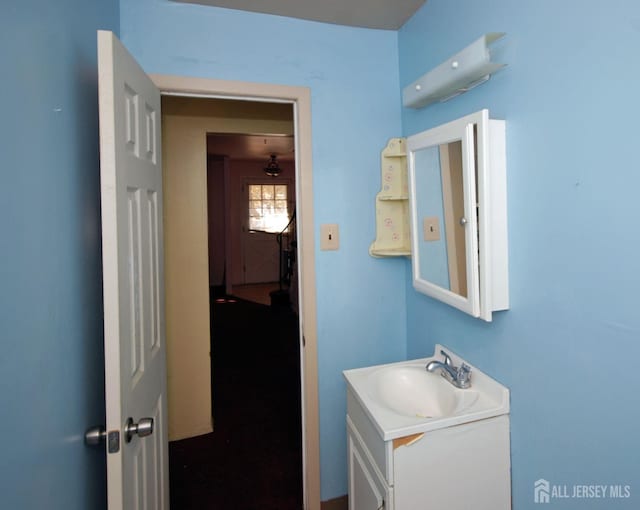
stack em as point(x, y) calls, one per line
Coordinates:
point(253, 458)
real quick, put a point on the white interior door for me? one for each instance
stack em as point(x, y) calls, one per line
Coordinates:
point(131, 187)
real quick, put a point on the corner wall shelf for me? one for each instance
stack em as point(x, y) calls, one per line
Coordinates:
point(393, 236)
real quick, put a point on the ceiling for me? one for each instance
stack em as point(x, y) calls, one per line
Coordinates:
point(251, 146)
point(384, 14)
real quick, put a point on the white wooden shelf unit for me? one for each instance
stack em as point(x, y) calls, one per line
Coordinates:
point(393, 234)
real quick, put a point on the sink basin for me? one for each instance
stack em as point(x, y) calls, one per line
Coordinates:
point(401, 399)
point(412, 391)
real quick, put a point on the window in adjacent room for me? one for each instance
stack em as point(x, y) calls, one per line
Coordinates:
point(268, 207)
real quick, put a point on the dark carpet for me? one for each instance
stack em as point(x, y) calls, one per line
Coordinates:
point(253, 458)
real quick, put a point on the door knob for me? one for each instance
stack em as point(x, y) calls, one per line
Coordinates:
point(94, 436)
point(143, 428)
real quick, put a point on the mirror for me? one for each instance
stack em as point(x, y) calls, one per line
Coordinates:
point(451, 177)
point(441, 211)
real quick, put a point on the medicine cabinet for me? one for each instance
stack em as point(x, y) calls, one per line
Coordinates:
point(458, 214)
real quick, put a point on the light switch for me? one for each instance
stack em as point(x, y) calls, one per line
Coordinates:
point(431, 228)
point(329, 236)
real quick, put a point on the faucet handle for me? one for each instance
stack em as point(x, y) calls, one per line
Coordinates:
point(447, 358)
point(464, 375)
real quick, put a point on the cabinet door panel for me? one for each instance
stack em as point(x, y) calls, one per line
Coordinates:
point(367, 491)
point(364, 492)
point(458, 468)
point(380, 451)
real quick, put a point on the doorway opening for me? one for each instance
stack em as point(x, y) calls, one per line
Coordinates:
point(248, 234)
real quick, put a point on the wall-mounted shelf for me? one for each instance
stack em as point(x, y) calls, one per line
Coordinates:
point(393, 235)
point(458, 74)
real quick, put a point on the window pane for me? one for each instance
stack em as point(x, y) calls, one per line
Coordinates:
point(256, 224)
point(255, 208)
point(255, 192)
point(281, 191)
point(281, 207)
point(268, 192)
point(268, 208)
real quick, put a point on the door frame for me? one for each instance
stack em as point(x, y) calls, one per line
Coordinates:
point(300, 98)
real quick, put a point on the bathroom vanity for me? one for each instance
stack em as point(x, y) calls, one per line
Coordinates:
point(417, 442)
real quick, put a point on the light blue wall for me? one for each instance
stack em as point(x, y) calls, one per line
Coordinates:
point(51, 366)
point(569, 346)
point(353, 76)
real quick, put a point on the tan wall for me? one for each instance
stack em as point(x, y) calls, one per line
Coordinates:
point(185, 123)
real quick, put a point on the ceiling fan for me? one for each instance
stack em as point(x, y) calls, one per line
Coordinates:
point(273, 168)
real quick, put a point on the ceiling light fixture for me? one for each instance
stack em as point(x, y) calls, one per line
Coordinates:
point(273, 168)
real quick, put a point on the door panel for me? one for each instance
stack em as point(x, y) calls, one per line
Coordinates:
point(261, 258)
point(131, 194)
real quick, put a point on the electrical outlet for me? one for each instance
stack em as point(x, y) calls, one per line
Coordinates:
point(329, 236)
point(431, 228)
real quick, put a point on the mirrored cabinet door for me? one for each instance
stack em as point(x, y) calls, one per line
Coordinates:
point(456, 228)
point(443, 186)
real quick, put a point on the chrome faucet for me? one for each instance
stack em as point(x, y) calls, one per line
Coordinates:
point(460, 376)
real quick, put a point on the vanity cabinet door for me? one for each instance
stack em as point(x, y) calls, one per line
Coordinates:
point(367, 490)
point(456, 468)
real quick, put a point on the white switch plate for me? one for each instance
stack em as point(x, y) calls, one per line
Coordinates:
point(431, 228)
point(329, 236)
